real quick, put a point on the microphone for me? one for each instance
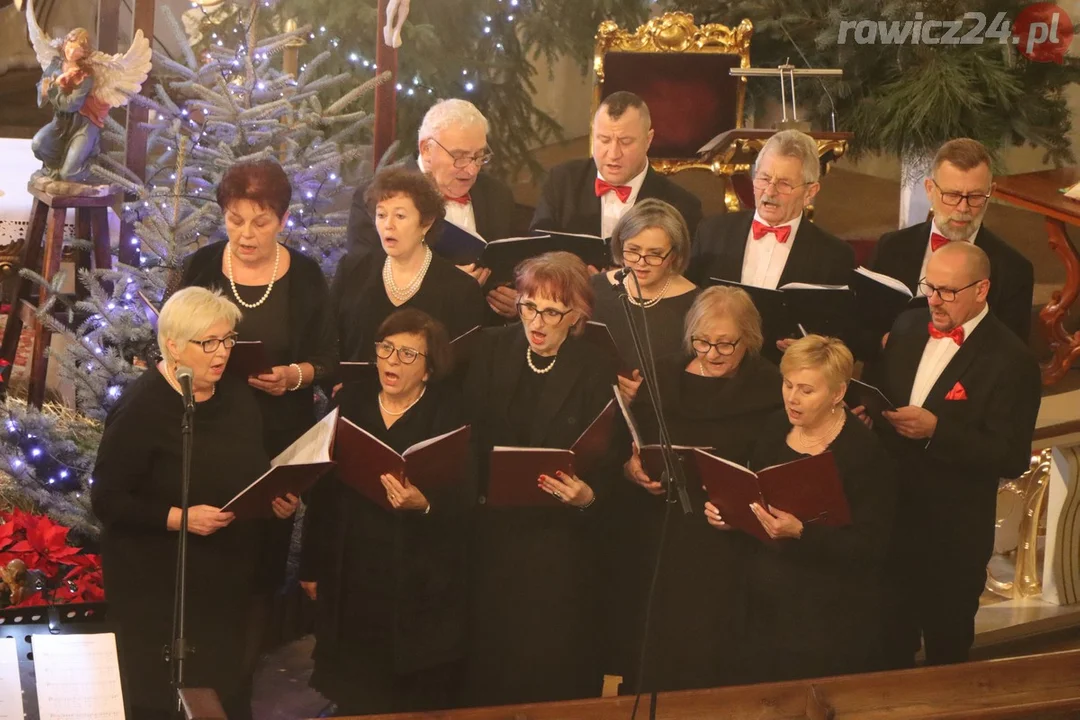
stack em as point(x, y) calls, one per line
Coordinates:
point(186, 378)
point(828, 95)
point(621, 274)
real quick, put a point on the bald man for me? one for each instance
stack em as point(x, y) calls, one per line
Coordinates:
point(967, 393)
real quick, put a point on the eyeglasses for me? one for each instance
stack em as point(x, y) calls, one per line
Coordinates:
point(703, 346)
point(549, 316)
point(946, 294)
point(783, 187)
point(405, 354)
point(211, 345)
point(632, 257)
point(952, 199)
point(462, 161)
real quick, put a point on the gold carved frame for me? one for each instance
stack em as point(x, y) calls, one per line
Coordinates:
point(674, 32)
point(1030, 492)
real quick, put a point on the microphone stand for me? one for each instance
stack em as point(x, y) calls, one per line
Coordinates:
point(673, 479)
point(178, 650)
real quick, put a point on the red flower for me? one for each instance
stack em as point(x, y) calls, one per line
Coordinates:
point(72, 576)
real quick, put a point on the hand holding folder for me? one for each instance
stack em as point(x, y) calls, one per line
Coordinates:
point(294, 471)
point(514, 471)
point(869, 397)
point(248, 359)
point(436, 463)
point(808, 488)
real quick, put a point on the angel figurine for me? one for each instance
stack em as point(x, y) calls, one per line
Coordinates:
point(81, 85)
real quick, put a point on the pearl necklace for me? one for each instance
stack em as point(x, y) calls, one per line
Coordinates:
point(532, 366)
point(647, 303)
point(232, 282)
point(411, 288)
point(407, 407)
point(824, 439)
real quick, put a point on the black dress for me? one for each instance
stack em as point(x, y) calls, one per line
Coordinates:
point(361, 303)
point(814, 604)
point(699, 590)
point(390, 625)
point(136, 482)
point(533, 593)
point(665, 319)
point(295, 325)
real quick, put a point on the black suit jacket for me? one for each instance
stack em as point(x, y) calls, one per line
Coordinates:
point(493, 209)
point(1012, 278)
point(948, 487)
point(720, 244)
point(568, 201)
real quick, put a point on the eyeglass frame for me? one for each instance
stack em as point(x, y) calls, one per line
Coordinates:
point(776, 183)
point(544, 319)
point(479, 161)
point(216, 342)
point(398, 350)
point(963, 197)
point(941, 291)
point(643, 256)
point(714, 345)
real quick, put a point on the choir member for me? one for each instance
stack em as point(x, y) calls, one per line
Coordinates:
point(452, 148)
point(775, 244)
point(285, 303)
point(533, 604)
point(368, 287)
point(136, 496)
point(715, 392)
point(652, 240)
point(959, 189)
point(967, 392)
point(390, 585)
point(814, 598)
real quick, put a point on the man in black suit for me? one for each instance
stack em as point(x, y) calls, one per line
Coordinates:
point(959, 188)
point(452, 150)
point(774, 244)
point(968, 393)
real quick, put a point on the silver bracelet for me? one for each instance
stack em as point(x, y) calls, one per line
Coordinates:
point(299, 376)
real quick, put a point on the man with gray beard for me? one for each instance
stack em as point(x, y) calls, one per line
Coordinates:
point(959, 190)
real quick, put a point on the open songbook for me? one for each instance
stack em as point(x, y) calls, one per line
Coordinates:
point(879, 300)
point(515, 470)
point(808, 488)
point(502, 255)
point(435, 463)
point(295, 470)
point(249, 358)
point(652, 454)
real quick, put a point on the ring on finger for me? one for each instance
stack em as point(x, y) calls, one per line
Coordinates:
point(557, 495)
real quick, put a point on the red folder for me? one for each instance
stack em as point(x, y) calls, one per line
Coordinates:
point(808, 488)
point(294, 471)
point(438, 462)
point(515, 470)
point(248, 358)
point(652, 455)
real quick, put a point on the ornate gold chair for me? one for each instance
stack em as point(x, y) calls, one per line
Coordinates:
point(681, 71)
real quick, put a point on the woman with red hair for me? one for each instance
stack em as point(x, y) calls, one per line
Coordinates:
point(537, 384)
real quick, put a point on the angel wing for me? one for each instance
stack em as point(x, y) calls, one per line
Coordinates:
point(118, 77)
point(44, 46)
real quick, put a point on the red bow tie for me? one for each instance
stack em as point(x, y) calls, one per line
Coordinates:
point(957, 334)
point(937, 241)
point(603, 187)
point(760, 230)
point(463, 200)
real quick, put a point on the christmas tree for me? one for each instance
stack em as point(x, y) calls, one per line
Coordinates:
point(907, 98)
point(225, 104)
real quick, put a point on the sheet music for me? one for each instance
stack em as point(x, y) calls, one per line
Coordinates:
point(886, 280)
point(11, 707)
point(311, 447)
point(78, 677)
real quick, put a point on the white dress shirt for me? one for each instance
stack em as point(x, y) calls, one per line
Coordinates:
point(611, 208)
point(936, 356)
point(764, 259)
point(461, 214)
point(930, 251)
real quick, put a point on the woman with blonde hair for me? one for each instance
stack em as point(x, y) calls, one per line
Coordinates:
point(814, 598)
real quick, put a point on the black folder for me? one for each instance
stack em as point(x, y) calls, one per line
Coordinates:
point(860, 393)
point(797, 309)
point(879, 299)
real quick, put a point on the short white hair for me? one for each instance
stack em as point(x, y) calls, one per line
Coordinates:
point(450, 113)
point(191, 312)
point(795, 144)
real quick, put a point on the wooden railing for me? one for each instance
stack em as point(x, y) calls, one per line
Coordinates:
point(1040, 686)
